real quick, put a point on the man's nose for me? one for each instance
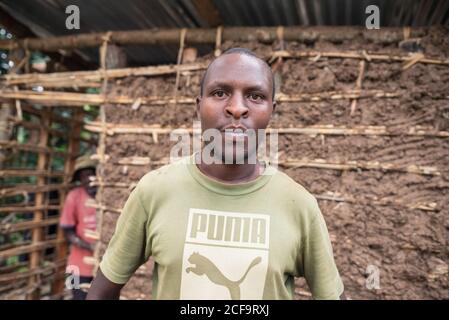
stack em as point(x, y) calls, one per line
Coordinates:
point(236, 107)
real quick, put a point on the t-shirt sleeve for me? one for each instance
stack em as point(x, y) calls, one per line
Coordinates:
point(128, 248)
point(319, 266)
point(68, 216)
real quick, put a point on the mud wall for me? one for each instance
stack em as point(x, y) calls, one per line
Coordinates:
point(393, 221)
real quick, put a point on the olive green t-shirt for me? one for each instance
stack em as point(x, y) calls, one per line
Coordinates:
point(212, 240)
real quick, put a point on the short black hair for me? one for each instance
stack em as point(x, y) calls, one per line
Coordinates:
point(244, 51)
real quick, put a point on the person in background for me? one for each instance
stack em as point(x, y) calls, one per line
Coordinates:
point(75, 220)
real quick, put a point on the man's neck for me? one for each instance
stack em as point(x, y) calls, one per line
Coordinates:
point(230, 173)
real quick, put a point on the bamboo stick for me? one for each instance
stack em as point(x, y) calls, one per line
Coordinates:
point(29, 172)
point(11, 288)
point(365, 130)
point(37, 235)
point(93, 78)
point(58, 98)
point(25, 274)
point(32, 148)
point(111, 129)
point(208, 36)
point(37, 126)
point(336, 95)
point(28, 208)
point(358, 84)
point(34, 247)
point(15, 245)
point(335, 196)
point(69, 164)
point(24, 290)
point(356, 55)
point(13, 268)
point(54, 117)
point(54, 98)
point(115, 184)
point(103, 207)
point(81, 79)
point(101, 152)
point(20, 189)
point(92, 141)
point(27, 225)
point(354, 165)
point(309, 163)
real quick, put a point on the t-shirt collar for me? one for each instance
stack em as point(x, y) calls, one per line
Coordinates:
point(230, 189)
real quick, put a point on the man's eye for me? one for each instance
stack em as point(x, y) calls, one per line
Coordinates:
point(219, 93)
point(255, 97)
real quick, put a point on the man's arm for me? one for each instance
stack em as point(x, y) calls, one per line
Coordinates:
point(319, 266)
point(73, 239)
point(103, 289)
point(127, 250)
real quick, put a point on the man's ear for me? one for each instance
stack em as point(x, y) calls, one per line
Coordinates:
point(198, 102)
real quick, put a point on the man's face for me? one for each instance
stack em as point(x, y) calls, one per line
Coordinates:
point(84, 176)
point(237, 96)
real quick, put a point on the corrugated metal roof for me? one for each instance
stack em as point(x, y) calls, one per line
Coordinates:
point(47, 17)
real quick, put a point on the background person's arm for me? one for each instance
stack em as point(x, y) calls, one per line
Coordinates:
point(104, 289)
point(73, 239)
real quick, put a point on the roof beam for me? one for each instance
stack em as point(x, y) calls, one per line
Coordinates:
point(208, 36)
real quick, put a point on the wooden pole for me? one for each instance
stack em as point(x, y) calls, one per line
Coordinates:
point(27, 173)
point(26, 188)
point(27, 225)
point(28, 208)
point(37, 235)
point(33, 248)
point(93, 78)
point(113, 128)
point(59, 98)
point(73, 148)
point(5, 132)
point(32, 148)
point(208, 36)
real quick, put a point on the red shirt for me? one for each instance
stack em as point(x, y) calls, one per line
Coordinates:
point(77, 214)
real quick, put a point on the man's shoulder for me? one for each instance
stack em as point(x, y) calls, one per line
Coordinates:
point(165, 175)
point(75, 192)
point(293, 189)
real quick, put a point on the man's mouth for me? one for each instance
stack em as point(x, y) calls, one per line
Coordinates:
point(235, 131)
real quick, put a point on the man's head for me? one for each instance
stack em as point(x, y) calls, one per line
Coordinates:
point(237, 91)
point(248, 53)
point(83, 171)
point(83, 175)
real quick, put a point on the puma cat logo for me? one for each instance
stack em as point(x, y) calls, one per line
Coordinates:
point(204, 266)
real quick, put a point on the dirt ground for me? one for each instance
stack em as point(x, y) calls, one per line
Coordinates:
point(375, 227)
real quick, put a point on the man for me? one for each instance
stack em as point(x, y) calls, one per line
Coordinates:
point(76, 219)
point(220, 230)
